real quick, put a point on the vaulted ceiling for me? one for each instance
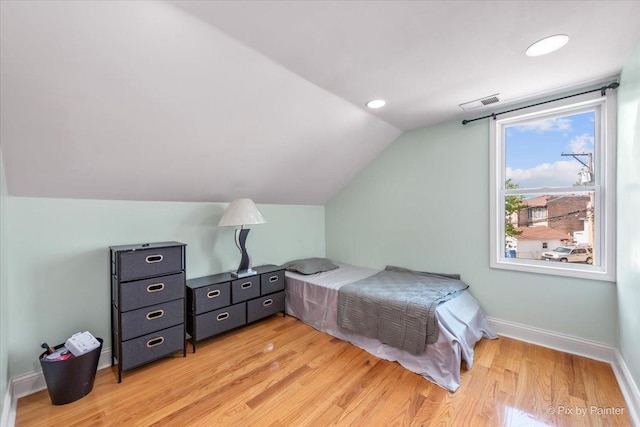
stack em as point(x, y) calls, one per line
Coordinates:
point(214, 100)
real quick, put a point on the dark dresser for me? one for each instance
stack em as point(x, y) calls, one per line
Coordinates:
point(219, 303)
point(147, 303)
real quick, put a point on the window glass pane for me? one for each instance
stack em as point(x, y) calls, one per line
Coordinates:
point(549, 226)
point(551, 152)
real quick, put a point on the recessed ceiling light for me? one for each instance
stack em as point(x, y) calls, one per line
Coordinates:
point(547, 45)
point(376, 103)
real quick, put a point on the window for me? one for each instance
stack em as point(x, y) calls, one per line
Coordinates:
point(538, 213)
point(553, 186)
point(537, 216)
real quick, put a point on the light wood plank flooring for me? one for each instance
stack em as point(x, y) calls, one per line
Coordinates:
point(281, 372)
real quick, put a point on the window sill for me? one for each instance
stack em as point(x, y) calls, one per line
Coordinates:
point(580, 271)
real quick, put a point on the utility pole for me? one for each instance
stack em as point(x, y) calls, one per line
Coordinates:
point(590, 205)
point(588, 166)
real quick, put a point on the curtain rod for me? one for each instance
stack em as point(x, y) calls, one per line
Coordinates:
point(603, 91)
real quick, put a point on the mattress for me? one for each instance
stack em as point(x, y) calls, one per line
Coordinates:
point(314, 300)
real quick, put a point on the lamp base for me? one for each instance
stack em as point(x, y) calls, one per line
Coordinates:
point(243, 273)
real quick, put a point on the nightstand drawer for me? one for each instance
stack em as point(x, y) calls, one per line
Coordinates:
point(150, 262)
point(209, 298)
point(150, 347)
point(218, 321)
point(272, 282)
point(147, 292)
point(265, 306)
point(153, 318)
point(245, 288)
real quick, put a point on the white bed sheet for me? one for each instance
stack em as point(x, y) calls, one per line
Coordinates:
point(314, 300)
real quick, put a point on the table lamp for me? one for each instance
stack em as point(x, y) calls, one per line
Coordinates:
point(242, 212)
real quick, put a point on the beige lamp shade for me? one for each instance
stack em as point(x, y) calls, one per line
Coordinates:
point(241, 212)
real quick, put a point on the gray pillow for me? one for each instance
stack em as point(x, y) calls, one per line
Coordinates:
point(310, 265)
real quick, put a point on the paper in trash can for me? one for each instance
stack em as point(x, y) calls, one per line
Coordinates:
point(81, 343)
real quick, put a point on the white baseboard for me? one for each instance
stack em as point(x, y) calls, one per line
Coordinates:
point(580, 347)
point(26, 384)
point(554, 340)
point(8, 416)
point(628, 387)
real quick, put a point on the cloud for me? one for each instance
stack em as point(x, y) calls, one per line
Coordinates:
point(559, 174)
point(581, 144)
point(554, 124)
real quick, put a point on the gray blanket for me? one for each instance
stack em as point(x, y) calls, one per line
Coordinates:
point(397, 306)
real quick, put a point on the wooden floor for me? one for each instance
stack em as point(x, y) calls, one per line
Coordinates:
point(281, 372)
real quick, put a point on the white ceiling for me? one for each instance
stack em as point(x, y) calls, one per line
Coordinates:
point(214, 100)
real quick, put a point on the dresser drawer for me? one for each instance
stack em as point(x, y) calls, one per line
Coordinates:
point(209, 298)
point(153, 318)
point(147, 292)
point(150, 347)
point(150, 262)
point(265, 306)
point(245, 288)
point(218, 321)
point(272, 282)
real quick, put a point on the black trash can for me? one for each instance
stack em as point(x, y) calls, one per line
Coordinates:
point(71, 379)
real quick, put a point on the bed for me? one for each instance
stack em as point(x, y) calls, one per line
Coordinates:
point(313, 298)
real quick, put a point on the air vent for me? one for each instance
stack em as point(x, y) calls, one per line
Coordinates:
point(490, 100)
point(479, 103)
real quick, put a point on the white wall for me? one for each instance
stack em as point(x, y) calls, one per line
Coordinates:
point(424, 204)
point(628, 250)
point(59, 276)
point(532, 249)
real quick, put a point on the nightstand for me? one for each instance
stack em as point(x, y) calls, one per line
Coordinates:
point(219, 303)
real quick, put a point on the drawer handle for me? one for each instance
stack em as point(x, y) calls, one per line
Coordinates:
point(154, 342)
point(273, 279)
point(153, 258)
point(156, 287)
point(153, 315)
point(267, 302)
point(222, 316)
point(213, 294)
point(246, 285)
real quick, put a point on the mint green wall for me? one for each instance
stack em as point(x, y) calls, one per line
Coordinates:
point(424, 204)
point(59, 275)
point(4, 315)
point(629, 213)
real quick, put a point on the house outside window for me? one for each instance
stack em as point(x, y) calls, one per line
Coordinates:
point(555, 164)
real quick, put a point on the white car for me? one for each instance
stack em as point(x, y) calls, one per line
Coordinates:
point(569, 254)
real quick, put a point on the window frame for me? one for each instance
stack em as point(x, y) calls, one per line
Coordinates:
point(604, 187)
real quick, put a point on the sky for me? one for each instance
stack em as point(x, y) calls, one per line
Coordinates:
point(533, 150)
